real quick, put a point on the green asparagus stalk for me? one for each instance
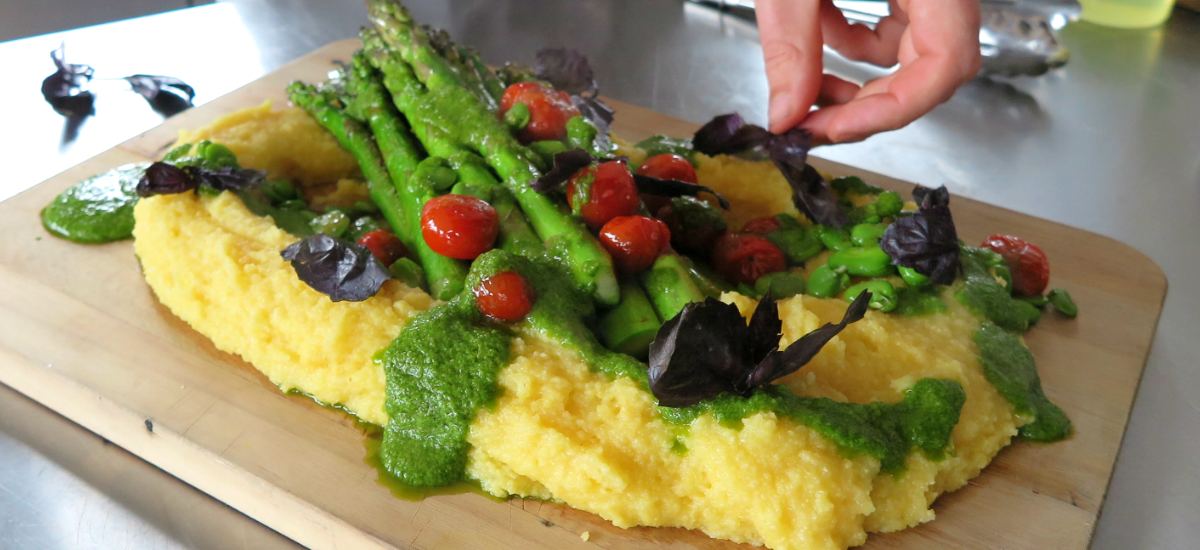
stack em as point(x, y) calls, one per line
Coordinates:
point(356, 139)
point(450, 107)
point(670, 272)
point(632, 324)
point(446, 276)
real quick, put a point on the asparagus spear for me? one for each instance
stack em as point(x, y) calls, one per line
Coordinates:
point(449, 107)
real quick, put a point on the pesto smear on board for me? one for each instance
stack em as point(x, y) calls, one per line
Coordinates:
point(96, 210)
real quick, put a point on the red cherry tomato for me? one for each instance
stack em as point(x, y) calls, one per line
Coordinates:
point(668, 167)
point(611, 193)
point(459, 226)
point(761, 226)
point(1028, 264)
point(504, 296)
point(549, 111)
point(745, 258)
point(384, 245)
point(634, 241)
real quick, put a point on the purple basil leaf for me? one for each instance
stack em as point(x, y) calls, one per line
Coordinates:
point(765, 329)
point(342, 270)
point(926, 197)
point(166, 94)
point(596, 111)
point(673, 188)
point(778, 364)
point(63, 90)
point(926, 241)
point(227, 178)
point(697, 354)
point(812, 196)
point(567, 70)
point(566, 164)
point(730, 135)
point(165, 179)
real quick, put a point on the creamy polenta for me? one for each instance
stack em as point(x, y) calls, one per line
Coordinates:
point(601, 443)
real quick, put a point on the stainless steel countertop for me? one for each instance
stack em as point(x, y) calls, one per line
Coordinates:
point(1111, 144)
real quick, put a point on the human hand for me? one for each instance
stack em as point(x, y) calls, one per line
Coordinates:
point(936, 43)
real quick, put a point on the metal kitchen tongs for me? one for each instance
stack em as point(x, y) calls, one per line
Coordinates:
point(1016, 38)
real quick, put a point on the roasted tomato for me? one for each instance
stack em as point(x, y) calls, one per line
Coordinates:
point(504, 296)
point(667, 167)
point(634, 241)
point(459, 226)
point(384, 245)
point(761, 226)
point(743, 258)
point(607, 191)
point(1027, 263)
point(549, 111)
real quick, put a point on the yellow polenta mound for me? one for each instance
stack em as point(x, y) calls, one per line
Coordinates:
point(559, 430)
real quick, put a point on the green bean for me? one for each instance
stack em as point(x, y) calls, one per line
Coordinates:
point(825, 282)
point(883, 294)
point(913, 277)
point(863, 261)
point(781, 284)
point(1061, 300)
point(867, 234)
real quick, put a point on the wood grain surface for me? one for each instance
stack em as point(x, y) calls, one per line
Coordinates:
point(82, 333)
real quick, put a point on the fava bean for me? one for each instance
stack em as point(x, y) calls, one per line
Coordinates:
point(867, 234)
point(362, 226)
point(833, 239)
point(280, 190)
point(889, 204)
point(913, 278)
point(863, 261)
point(797, 243)
point(409, 273)
point(825, 282)
point(333, 223)
point(781, 284)
point(1061, 300)
point(294, 204)
point(883, 294)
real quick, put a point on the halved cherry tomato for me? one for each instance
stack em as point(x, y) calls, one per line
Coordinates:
point(761, 226)
point(384, 245)
point(459, 226)
point(1027, 263)
point(634, 241)
point(667, 167)
point(744, 258)
point(608, 191)
point(549, 111)
point(504, 296)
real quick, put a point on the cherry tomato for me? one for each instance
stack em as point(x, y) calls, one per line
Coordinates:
point(549, 111)
point(761, 226)
point(668, 167)
point(744, 258)
point(634, 241)
point(504, 296)
point(610, 194)
point(459, 226)
point(384, 245)
point(1027, 263)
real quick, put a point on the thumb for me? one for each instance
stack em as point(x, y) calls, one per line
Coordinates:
point(790, 32)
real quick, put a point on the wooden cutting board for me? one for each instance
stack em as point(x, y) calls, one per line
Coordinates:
point(81, 333)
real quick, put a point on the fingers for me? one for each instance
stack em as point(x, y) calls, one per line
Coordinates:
point(835, 91)
point(790, 33)
point(938, 53)
point(859, 42)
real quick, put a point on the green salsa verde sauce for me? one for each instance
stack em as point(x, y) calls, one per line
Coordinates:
point(96, 210)
point(1010, 367)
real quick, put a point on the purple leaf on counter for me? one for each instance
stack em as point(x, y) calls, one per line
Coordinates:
point(165, 179)
point(651, 185)
point(167, 95)
point(708, 349)
point(64, 91)
point(342, 270)
point(567, 70)
point(926, 241)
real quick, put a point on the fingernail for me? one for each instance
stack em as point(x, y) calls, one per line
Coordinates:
point(780, 111)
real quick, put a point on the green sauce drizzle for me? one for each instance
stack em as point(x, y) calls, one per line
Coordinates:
point(96, 210)
point(923, 420)
point(986, 297)
point(1010, 367)
point(914, 302)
